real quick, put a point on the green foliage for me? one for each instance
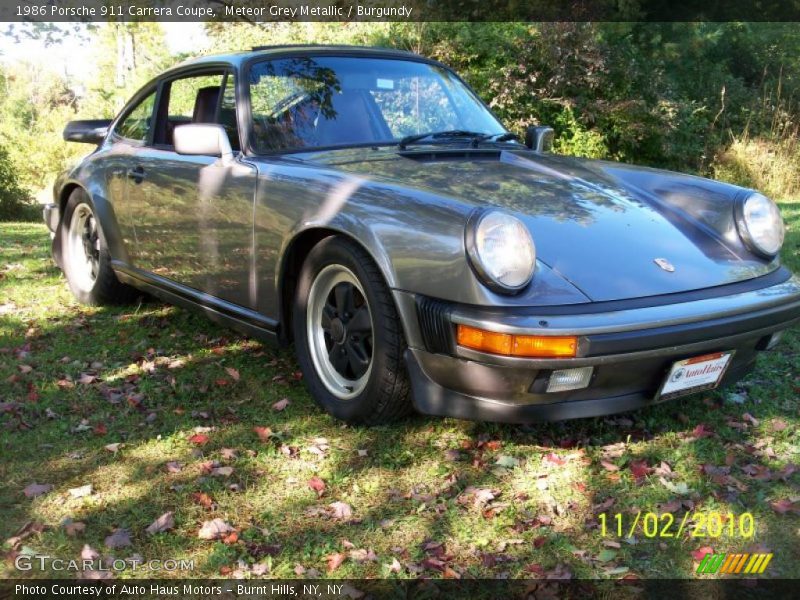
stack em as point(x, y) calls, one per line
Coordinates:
point(672, 95)
point(15, 202)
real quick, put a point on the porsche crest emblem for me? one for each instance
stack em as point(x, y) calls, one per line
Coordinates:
point(665, 264)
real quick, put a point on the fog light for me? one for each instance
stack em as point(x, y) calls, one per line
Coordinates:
point(570, 379)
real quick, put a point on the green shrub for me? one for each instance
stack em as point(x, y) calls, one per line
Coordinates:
point(15, 202)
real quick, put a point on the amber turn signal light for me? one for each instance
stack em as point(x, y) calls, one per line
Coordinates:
point(529, 346)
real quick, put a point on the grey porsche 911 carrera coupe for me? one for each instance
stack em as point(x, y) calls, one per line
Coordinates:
point(364, 204)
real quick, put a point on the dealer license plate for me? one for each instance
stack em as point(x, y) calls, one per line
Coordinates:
point(695, 375)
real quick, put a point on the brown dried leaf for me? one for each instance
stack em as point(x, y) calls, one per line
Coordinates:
point(281, 404)
point(119, 539)
point(36, 489)
point(214, 529)
point(162, 523)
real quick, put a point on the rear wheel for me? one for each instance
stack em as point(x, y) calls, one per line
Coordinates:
point(348, 336)
point(87, 263)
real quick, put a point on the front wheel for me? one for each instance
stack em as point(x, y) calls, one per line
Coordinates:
point(348, 336)
point(86, 260)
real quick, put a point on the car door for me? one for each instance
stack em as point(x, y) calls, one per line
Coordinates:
point(194, 214)
point(120, 159)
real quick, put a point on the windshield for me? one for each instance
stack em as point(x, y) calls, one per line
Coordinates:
point(310, 102)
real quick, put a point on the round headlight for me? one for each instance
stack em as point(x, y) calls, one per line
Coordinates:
point(760, 224)
point(501, 250)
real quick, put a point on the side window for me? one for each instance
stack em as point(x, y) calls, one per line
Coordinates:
point(199, 99)
point(136, 126)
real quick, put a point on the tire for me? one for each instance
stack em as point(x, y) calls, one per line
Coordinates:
point(85, 256)
point(337, 281)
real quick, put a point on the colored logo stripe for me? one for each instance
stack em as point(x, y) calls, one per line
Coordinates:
point(734, 563)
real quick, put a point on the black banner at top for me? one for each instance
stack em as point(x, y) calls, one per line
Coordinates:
point(43, 11)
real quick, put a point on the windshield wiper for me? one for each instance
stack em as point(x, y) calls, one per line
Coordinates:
point(495, 137)
point(437, 135)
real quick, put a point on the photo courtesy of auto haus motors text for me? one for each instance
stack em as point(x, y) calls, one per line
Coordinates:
point(399, 299)
point(163, 589)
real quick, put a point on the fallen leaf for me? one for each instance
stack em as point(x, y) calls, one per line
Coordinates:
point(100, 429)
point(263, 433)
point(639, 469)
point(233, 373)
point(607, 555)
point(173, 467)
point(281, 404)
point(553, 459)
point(199, 439)
point(89, 553)
point(702, 431)
point(87, 378)
point(750, 419)
point(316, 484)
point(260, 569)
point(36, 489)
point(82, 491)
point(778, 425)
point(334, 561)
point(449, 573)
point(783, 506)
point(483, 495)
point(341, 510)
point(231, 538)
point(700, 553)
point(73, 528)
point(609, 466)
point(228, 453)
point(222, 472)
point(162, 523)
point(677, 488)
point(394, 566)
point(508, 462)
point(114, 447)
point(119, 539)
point(214, 529)
point(203, 500)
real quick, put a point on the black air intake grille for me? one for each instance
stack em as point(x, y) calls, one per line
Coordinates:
point(435, 325)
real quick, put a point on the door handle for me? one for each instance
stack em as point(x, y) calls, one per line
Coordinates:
point(137, 174)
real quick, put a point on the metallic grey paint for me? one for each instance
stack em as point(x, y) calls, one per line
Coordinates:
point(216, 235)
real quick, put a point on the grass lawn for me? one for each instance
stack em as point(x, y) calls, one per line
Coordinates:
point(161, 411)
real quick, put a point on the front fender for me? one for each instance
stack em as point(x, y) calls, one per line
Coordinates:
point(415, 237)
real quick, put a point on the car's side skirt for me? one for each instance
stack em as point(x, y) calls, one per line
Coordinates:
point(220, 311)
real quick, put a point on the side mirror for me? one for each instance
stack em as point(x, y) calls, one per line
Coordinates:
point(88, 132)
point(203, 140)
point(539, 139)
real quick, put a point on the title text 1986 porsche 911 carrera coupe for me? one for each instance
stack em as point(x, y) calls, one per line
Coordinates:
point(366, 205)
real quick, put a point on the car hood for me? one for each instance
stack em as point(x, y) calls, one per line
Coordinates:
point(602, 235)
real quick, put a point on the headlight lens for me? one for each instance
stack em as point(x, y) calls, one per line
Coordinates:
point(501, 250)
point(760, 225)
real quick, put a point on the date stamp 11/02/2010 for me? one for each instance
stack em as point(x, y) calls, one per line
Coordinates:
point(697, 524)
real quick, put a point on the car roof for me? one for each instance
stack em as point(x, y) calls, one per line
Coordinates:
point(239, 58)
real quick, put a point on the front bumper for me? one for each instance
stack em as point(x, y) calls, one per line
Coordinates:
point(631, 350)
point(52, 217)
